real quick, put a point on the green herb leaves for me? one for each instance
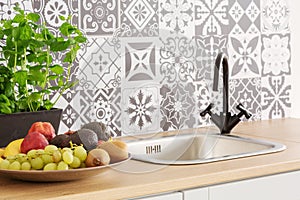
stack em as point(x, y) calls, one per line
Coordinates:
point(27, 72)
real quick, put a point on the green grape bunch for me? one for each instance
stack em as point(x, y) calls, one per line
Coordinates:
point(49, 158)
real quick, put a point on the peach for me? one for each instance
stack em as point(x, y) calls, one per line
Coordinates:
point(44, 128)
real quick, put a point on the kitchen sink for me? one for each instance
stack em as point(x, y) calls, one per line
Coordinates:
point(184, 149)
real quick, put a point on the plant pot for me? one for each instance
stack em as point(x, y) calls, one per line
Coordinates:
point(16, 125)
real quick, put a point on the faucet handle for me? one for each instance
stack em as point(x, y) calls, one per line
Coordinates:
point(243, 111)
point(207, 110)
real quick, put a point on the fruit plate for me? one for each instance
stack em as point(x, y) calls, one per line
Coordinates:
point(58, 175)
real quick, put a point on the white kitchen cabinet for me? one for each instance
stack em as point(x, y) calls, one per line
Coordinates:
point(196, 194)
point(170, 196)
point(284, 186)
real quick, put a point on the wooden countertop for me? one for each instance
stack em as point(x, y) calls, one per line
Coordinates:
point(134, 178)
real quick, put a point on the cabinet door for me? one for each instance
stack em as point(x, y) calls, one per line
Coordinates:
point(276, 187)
point(171, 196)
point(195, 194)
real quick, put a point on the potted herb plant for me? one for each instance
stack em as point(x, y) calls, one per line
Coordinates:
point(28, 76)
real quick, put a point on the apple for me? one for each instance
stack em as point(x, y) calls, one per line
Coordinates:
point(33, 140)
point(44, 128)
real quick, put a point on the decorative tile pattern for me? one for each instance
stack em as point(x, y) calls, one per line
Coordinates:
point(203, 99)
point(177, 59)
point(99, 17)
point(101, 105)
point(107, 109)
point(246, 91)
point(176, 16)
point(50, 12)
point(70, 114)
point(207, 50)
point(99, 67)
point(115, 106)
point(7, 8)
point(244, 16)
point(139, 18)
point(276, 102)
point(85, 103)
point(140, 110)
point(140, 61)
point(276, 56)
point(275, 15)
point(177, 106)
point(148, 65)
point(245, 56)
point(211, 17)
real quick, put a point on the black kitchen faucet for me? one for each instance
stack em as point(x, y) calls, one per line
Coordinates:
point(225, 121)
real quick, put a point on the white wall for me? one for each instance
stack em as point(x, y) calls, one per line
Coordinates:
point(295, 48)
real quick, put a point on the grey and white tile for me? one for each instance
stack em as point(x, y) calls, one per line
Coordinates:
point(70, 116)
point(98, 18)
point(177, 106)
point(7, 8)
point(177, 59)
point(276, 55)
point(51, 11)
point(139, 18)
point(207, 49)
point(244, 55)
point(140, 60)
point(106, 108)
point(246, 91)
point(244, 16)
point(177, 16)
point(275, 97)
point(99, 65)
point(211, 17)
point(140, 109)
point(101, 105)
point(202, 99)
point(275, 16)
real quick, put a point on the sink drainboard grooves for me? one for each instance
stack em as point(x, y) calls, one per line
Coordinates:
point(153, 149)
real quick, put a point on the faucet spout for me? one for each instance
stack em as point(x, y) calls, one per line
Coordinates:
point(221, 58)
point(225, 121)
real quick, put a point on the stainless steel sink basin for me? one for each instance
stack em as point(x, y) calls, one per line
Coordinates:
point(198, 148)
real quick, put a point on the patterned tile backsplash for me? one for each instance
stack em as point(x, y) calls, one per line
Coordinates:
point(148, 64)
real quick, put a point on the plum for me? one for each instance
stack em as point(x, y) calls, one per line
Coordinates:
point(61, 140)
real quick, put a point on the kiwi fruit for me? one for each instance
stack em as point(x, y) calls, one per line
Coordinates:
point(97, 157)
point(99, 128)
point(86, 137)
